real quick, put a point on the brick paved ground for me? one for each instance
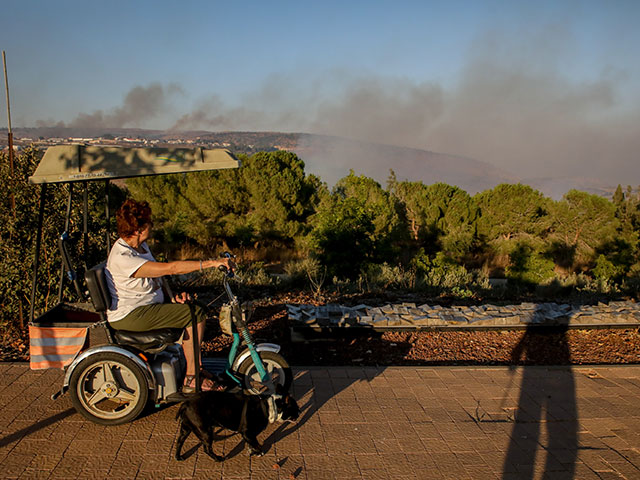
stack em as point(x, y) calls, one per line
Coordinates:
point(373, 423)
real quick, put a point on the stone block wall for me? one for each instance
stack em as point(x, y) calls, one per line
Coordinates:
point(410, 315)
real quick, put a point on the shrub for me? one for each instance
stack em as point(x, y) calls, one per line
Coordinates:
point(631, 283)
point(300, 271)
point(358, 223)
point(384, 276)
point(442, 272)
point(529, 266)
point(606, 270)
point(255, 274)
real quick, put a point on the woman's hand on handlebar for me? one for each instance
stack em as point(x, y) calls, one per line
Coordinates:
point(226, 263)
point(183, 297)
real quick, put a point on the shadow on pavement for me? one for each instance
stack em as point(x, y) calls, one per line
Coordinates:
point(545, 400)
point(36, 426)
point(314, 388)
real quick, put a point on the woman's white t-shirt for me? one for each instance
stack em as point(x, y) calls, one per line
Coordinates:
point(128, 292)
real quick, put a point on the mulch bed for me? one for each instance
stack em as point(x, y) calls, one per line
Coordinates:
point(504, 347)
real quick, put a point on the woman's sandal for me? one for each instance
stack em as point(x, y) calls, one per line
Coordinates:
point(206, 385)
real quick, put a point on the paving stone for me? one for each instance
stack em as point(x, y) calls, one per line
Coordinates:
point(412, 433)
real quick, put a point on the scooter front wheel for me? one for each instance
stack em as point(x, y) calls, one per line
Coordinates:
point(109, 389)
point(274, 364)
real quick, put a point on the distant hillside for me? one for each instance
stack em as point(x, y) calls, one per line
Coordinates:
point(331, 158)
point(556, 187)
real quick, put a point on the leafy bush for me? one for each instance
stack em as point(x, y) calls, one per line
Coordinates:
point(302, 270)
point(442, 272)
point(357, 224)
point(529, 266)
point(255, 274)
point(384, 276)
point(631, 283)
point(606, 270)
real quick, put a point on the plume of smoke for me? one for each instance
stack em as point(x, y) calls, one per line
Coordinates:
point(278, 104)
point(212, 113)
point(514, 106)
point(140, 104)
point(386, 110)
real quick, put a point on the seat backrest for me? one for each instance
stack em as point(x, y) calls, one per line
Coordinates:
point(63, 246)
point(98, 288)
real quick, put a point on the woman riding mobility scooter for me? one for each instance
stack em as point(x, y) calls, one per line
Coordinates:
point(112, 374)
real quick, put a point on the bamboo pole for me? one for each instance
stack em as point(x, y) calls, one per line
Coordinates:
point(10, 131)
point(10, 144)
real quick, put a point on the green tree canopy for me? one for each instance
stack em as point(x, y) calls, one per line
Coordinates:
point(584, 220)
point(268, 199)
point(509, 211)
point(356, 224)
point(618, 196)
point(438, 215)
point(453, 214)
point(281, 196)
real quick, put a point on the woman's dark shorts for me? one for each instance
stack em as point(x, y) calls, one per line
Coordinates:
point(160, 315)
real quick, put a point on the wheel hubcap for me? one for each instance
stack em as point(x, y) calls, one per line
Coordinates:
point(108, 390)
point(274, 371)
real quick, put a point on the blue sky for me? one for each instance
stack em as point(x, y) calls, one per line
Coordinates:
point(508, 82)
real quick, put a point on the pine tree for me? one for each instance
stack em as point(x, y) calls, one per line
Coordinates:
point(618, 197)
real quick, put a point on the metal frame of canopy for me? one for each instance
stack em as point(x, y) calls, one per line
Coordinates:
point(81, 163)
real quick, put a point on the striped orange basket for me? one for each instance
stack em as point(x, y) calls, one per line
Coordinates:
point(54, 347)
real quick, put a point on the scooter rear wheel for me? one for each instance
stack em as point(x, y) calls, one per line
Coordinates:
point(276, 366)
point(109, 389)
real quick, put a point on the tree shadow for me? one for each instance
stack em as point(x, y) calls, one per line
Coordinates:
point(546, 398)
point(562, 253)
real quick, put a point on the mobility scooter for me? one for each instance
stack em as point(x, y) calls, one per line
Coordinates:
point(112, 375)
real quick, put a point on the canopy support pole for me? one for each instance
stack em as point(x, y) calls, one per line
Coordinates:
point(85, 223)
point(67, 220)
point(36, 261)
point(107, 211)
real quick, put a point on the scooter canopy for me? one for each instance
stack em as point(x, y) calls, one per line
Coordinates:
point(78, 163)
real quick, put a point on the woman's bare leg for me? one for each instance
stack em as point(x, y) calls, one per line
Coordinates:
point(187, 346)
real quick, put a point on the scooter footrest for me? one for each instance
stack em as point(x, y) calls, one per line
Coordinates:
point(179, 397)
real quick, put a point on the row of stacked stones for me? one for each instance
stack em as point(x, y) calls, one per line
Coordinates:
point(410, 315)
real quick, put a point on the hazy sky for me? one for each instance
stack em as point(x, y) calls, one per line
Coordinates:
point(538, 88)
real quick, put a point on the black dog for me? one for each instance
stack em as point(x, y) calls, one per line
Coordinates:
point(248, 415)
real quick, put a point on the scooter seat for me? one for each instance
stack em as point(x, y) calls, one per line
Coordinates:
point(149, 340)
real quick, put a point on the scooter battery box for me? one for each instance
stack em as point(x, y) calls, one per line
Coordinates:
point(168, 369)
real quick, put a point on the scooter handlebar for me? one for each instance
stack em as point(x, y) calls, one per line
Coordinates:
point(227, 271)
point(223, 268)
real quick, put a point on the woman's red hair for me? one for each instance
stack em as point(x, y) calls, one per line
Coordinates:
point(132, 217)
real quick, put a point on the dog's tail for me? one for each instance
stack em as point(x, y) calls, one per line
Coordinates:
point(183, 405)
